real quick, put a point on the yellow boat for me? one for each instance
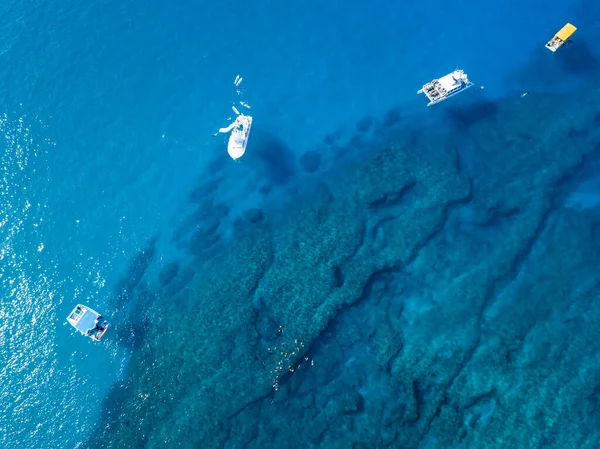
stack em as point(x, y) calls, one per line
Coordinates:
point(561, 37)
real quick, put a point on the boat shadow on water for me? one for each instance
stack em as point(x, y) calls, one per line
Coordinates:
point(466, 115)
point(271, 158)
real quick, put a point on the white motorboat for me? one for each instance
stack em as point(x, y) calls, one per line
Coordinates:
point(445, 87)
point(88, 322)
point(240, 131)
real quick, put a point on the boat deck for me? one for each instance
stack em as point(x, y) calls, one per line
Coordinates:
point(446, 86)
point(435, 91)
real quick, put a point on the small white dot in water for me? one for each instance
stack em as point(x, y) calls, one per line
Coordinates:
point(76, 221)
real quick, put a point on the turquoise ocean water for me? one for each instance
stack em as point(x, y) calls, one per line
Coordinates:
point(115, 193)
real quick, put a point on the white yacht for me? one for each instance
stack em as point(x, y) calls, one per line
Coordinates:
point(88, 322)
point(445, 87)
point(240, 131)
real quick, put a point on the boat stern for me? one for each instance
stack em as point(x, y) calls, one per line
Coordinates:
point(101, 331)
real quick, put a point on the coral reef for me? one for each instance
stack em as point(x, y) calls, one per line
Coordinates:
point(310, 161)
point(445, 297)
point(168, 273)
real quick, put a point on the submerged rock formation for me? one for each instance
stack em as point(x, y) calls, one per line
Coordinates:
point(445, 298)
point(310, 161)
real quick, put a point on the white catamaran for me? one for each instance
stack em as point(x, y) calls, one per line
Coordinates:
point(445, 87)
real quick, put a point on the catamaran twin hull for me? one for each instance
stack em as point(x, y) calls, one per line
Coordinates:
point(445, 87)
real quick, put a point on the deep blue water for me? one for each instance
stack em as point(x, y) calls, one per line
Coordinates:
point(107, 116)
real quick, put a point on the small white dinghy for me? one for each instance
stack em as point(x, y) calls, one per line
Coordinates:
point(445, 87)
point(88, 322)
point(240, 130)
